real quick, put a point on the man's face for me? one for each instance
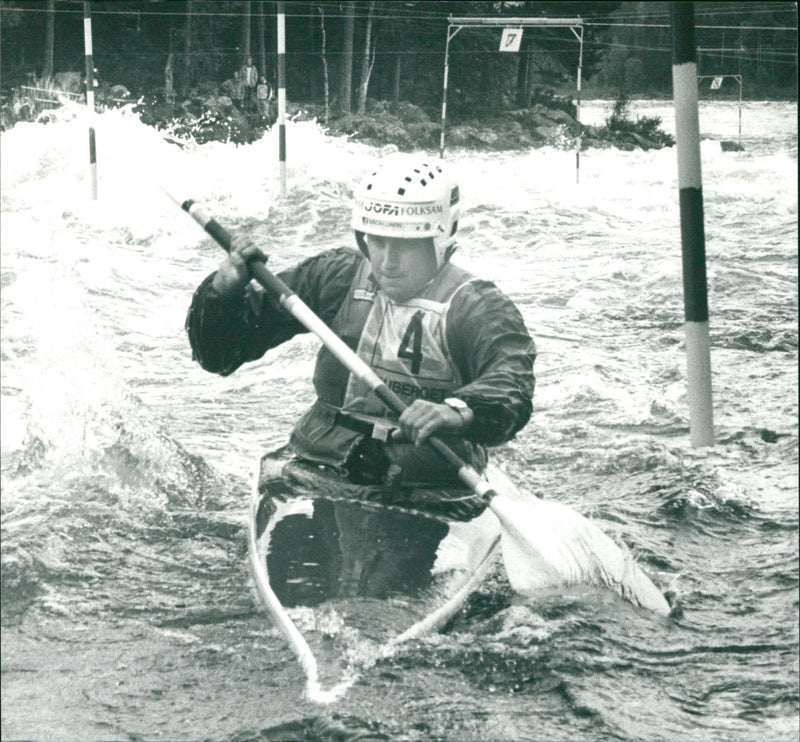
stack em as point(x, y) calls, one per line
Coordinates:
point(402, 267)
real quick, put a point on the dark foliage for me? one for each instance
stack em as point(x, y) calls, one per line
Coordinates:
point(647, 127)
point(626, 46)
point(160, 50)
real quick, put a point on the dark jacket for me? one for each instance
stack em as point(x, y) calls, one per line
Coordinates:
point(485, 333)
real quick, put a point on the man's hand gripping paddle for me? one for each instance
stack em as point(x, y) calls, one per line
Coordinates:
point(544, 543)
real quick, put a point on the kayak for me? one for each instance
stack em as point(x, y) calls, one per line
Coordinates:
point(543, 543)
point(350, 572)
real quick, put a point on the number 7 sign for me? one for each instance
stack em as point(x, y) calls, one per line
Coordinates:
point(510, 40)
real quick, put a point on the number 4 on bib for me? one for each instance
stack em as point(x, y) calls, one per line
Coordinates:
point(411, 345)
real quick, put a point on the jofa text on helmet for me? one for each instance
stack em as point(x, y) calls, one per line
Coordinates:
point(378, 207)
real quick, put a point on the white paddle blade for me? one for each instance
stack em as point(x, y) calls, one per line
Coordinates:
point(547, 543)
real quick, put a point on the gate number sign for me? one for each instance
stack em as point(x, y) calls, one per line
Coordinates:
point(716, 83)
point(510, 40)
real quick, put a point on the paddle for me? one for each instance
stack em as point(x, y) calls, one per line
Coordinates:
point(544, 543)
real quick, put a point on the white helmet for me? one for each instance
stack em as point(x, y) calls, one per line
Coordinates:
point(409, 196)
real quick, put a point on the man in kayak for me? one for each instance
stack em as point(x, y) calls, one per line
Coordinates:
point(452, 346)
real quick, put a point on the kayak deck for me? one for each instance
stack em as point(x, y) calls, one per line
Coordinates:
point(333, 560)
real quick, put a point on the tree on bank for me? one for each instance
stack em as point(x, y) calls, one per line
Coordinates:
point(262, 41)
point(47, 70)
point(187, 47)
point(346, 68)
point(626, 46)
point(367, 62)
point(247, 17)
point(732, 38)
point(326, 83)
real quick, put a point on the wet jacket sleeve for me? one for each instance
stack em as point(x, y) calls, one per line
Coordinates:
point(226, 332)
point(494, 353)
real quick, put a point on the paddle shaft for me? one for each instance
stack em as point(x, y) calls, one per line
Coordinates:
point(570, 559)
point(301, 312)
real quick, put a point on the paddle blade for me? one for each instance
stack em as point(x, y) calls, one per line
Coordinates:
point(548, 543)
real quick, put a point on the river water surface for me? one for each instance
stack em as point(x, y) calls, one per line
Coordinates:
point(127, 607)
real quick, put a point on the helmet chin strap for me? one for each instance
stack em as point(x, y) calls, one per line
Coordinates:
point(361, 241)
point(448, 253)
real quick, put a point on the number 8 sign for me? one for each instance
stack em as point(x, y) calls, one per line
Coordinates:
point(510, 40)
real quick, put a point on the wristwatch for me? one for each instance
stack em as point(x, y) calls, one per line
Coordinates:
point(461, 407)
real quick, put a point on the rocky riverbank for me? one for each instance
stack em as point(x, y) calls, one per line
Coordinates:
point(408, 126)
point(212, 115)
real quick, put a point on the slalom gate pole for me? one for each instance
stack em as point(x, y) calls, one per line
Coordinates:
point(282, 93)
point(87, 41)
point(695, 291)
point(444, 94)
point(740, 108)
point(579, 143)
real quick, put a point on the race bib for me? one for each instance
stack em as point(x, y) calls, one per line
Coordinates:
point(405, 345)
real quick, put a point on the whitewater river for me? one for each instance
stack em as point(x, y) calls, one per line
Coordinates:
point(127, 606)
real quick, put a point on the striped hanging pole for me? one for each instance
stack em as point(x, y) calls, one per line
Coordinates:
point(444, 92)
point(87, 42)
point(282, 93)
point(739, 79)
point(578, 112)
point(695, 293)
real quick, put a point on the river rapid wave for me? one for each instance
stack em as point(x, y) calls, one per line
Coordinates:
point(128, 611)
